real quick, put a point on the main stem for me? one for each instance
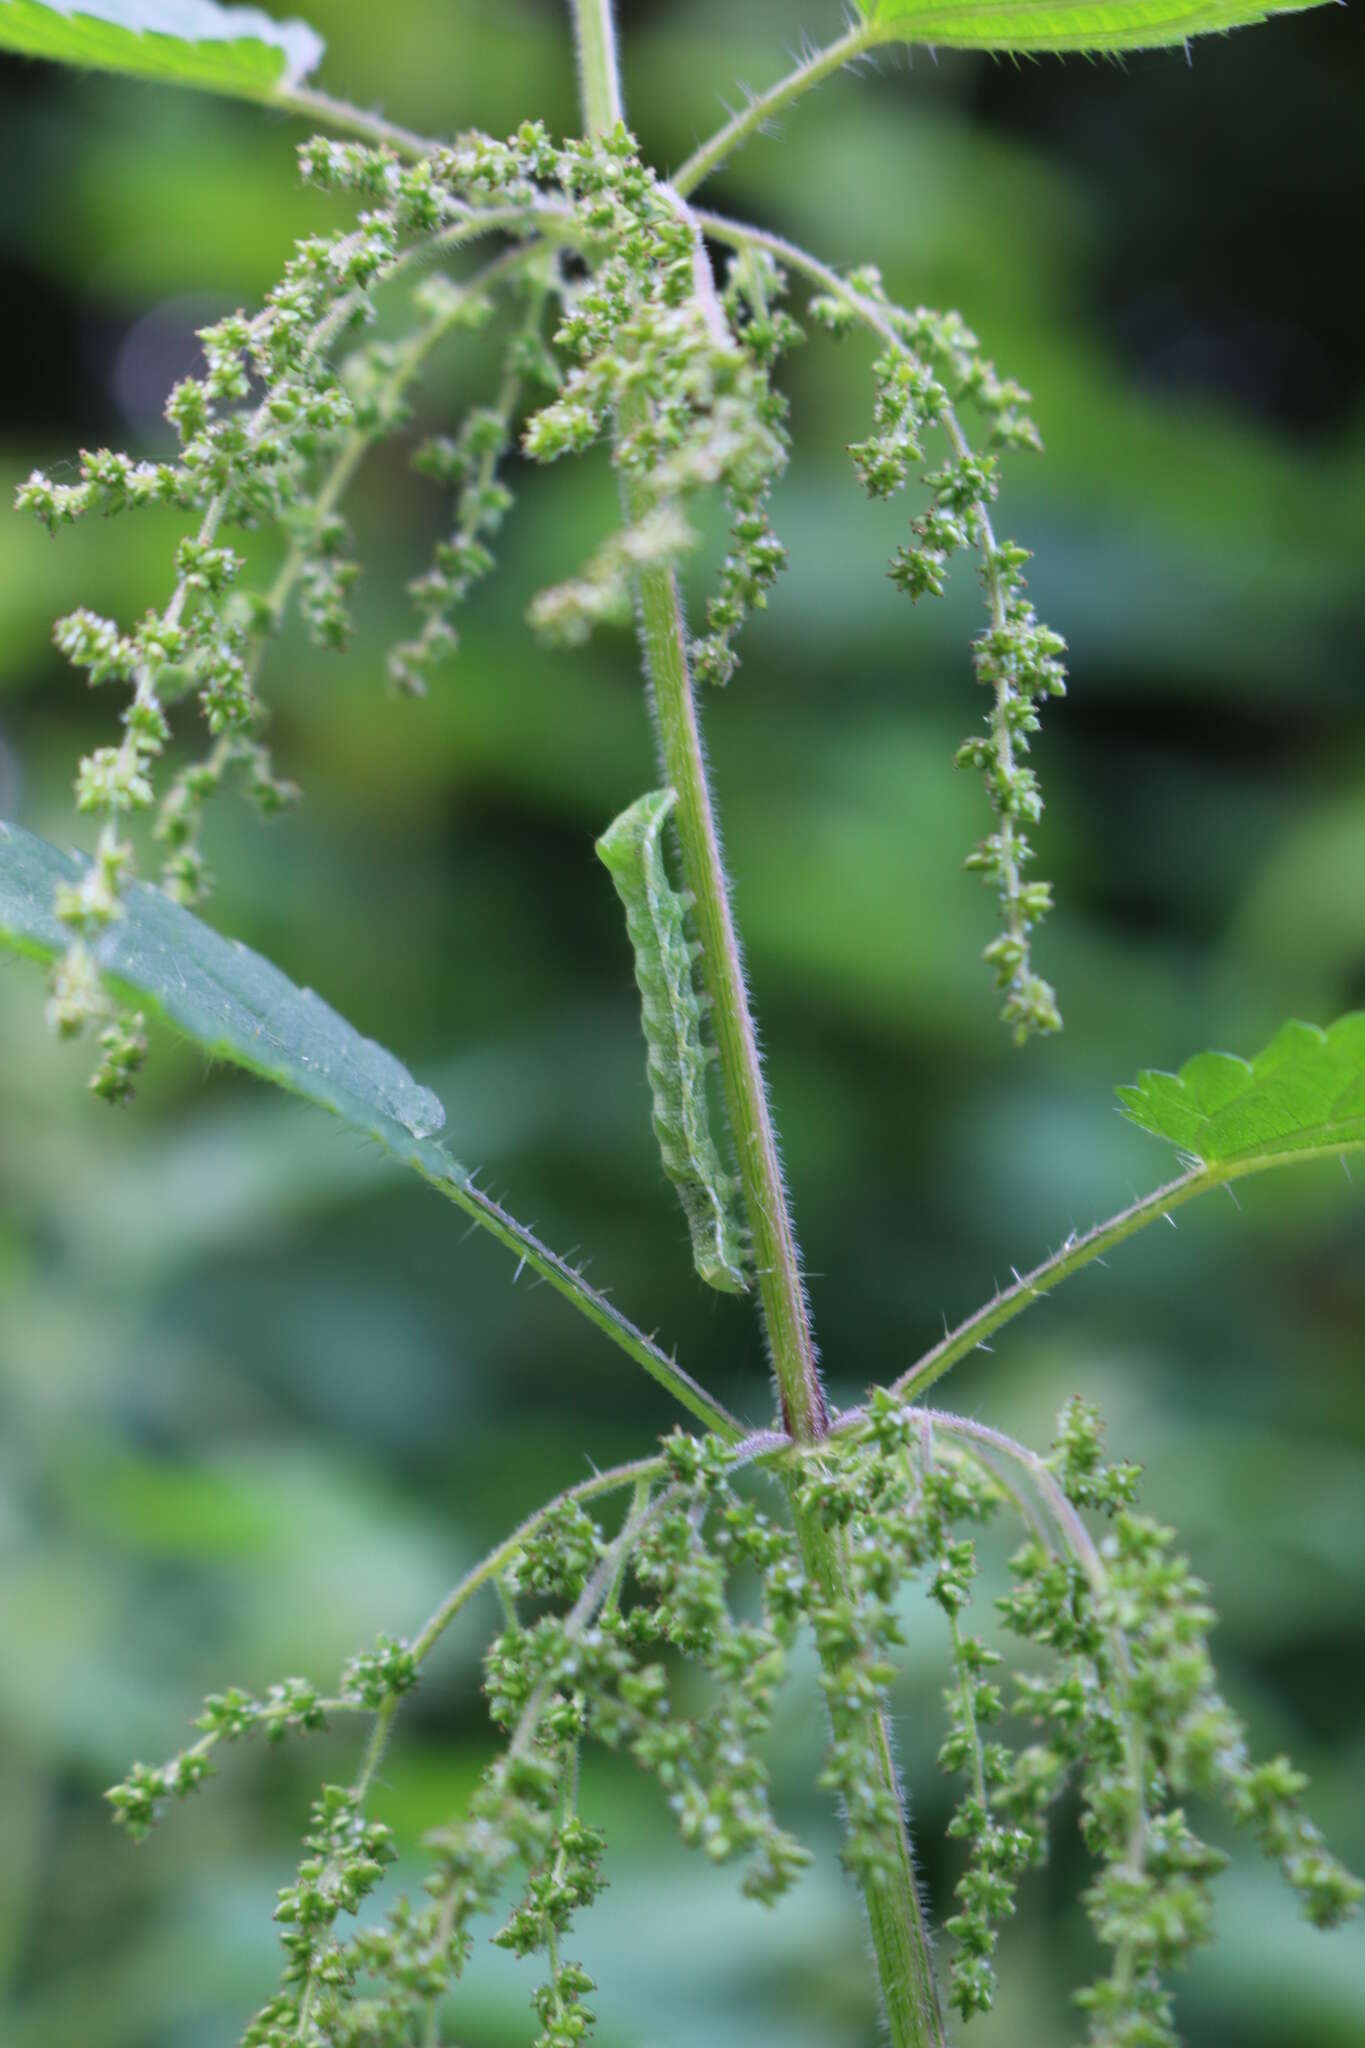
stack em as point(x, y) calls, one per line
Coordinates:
point(599, 77)
point(895, 1916)
point(786, 1317)
point(899, 1936)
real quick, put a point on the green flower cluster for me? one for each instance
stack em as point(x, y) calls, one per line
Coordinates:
point(643, 349)
point(291, 1707)
point(257, 433)
point(1133, 1711)
point(679, 373)
point(670, 1590)
point(931, 368)
point(901, 1496)
point(607, 1637)
point(756, 557)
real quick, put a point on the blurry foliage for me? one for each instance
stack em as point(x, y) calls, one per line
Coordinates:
point(257, 1400)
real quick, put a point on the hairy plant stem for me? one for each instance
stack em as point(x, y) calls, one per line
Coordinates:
point(899, 1935)
point(599, 76)
point(785, 1314)
point(711, 154)
point(1079, 1251)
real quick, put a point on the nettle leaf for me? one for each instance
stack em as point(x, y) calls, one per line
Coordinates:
point(240, 1008)
point(1304, 1094)
point(1063, 24)
point(235, 50)
point(219, 993)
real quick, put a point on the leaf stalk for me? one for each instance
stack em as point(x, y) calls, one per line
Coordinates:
point(821, 64)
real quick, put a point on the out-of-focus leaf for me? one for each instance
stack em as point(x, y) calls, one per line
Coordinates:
point(1063, 24)
point(221, 994)
point(236, 50)
point(1305, 1093)
point(240, 1008)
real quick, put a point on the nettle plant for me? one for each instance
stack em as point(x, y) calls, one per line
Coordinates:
point(633, 317)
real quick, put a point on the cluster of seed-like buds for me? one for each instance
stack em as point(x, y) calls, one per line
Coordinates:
point(756, 557)
point(1019, 661)
point(567, 1879)
point(271, 431)
point(470, 464)
point(930, 369)
point(1133, 1709)
point(292, 1706)
point(609, 1678)
point(268, 434)
point(347, 1856)
point(711, 1767)
point(903, 1496)
point(1128, 1709)
point(558, 1558)
point(518, 1816)
point(651, 353)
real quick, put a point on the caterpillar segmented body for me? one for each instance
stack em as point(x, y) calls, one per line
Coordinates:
point(632, 852)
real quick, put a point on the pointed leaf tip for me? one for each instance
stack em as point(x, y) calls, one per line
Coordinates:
point(1305, 1093)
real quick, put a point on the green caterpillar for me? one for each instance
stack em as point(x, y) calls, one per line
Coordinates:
point(632, 852)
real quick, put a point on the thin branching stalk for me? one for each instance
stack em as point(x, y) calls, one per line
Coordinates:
point(352, 453)
point(819, 65)
point(764, 1446)
point(313, 105)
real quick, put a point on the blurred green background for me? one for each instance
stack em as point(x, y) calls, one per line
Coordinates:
point(260, 1399)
